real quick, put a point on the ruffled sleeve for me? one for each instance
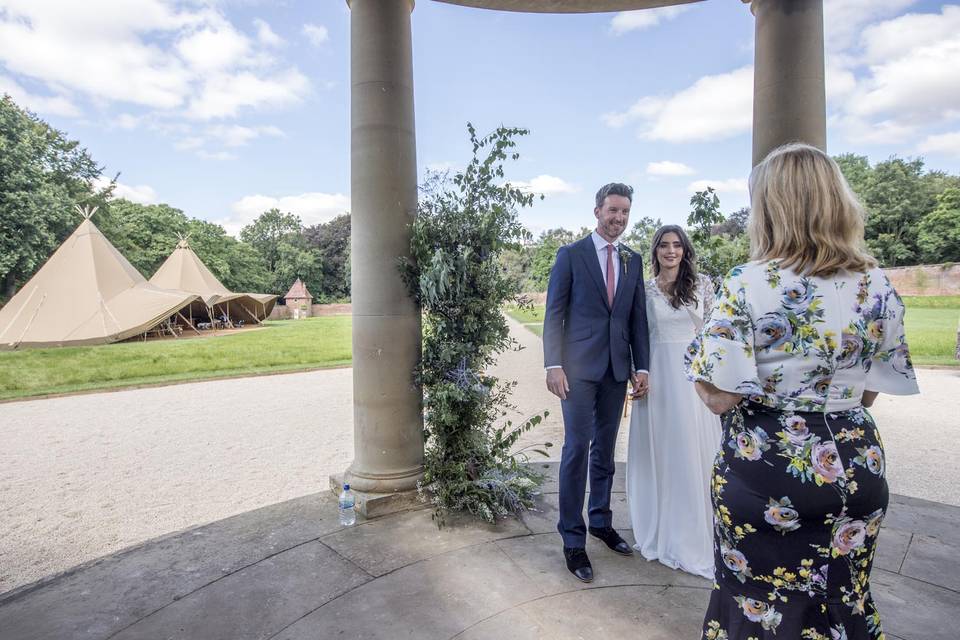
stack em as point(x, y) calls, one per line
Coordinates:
point(890, 368)
point(723, 352)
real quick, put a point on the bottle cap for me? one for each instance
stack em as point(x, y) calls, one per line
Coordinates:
point(346, 487)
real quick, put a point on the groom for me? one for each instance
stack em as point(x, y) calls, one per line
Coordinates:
point(594, 340)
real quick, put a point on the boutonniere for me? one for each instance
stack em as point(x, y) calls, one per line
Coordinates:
point(625, 255)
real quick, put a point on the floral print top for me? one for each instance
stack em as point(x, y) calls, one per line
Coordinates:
point(804, 343)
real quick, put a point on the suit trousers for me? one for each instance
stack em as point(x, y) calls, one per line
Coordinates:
point(591, 419)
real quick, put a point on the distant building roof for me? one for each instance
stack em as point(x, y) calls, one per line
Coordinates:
point(298, 291)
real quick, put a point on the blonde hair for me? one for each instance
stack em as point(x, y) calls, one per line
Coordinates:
point(804, 214)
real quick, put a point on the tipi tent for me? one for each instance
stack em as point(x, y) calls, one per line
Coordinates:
point(185, 270)
point(86, 293)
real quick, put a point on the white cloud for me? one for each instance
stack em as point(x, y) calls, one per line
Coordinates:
point(266, 35)
point(945, 143)
point(914, 75)
point(313, 208)
point(547, 185)
point(317, 34)
point(216, 155)
point(175, 58)
point(127, 121)
point(144, 194)
point(669, 168)
point(212, 49)
point(237, 136)
point(730, 185)
point(843, 20)
point(49, 105)
point(627, 21)
point(224, 95)
point(897, 76)
point(713, 108)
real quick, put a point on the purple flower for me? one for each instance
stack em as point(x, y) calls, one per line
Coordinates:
point(773, 330)
point(849, 536)
point(782, 515)
point(901, 360)
point(796, 430)
point(798, 296)
point(826, 461)
point(722, 329)
point(851, 346)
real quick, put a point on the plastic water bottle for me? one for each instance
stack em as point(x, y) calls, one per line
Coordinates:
point(348, 516)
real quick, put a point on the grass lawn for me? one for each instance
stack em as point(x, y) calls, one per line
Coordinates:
point(285, 345)
point(931, 327)
point(532, 319)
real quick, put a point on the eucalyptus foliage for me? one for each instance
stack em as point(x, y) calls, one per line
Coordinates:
point(464, 224)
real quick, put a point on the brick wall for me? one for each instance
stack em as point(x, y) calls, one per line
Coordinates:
point(926, 280)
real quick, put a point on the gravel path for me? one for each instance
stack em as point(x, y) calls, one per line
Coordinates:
point(88, 475)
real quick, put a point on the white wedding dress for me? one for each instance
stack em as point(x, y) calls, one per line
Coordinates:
point(673, 441)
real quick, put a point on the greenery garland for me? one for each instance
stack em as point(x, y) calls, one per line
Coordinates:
point(463, 225)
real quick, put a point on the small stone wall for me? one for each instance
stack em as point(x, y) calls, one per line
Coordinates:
point(282, 312)
point(926, 280)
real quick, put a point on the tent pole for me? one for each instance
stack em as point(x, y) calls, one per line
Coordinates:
point(189, 322)
point(251, 314)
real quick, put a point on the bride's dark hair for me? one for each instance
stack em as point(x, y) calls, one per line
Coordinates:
point(683, 290)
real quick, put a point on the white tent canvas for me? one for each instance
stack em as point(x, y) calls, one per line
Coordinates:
point(86, 293)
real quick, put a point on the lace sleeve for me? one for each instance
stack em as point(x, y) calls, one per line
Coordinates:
point(707, 296)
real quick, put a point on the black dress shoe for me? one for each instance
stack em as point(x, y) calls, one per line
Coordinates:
point(612, 539)
point(578, 563)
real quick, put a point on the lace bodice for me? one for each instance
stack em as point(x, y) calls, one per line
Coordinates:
point(677, 325)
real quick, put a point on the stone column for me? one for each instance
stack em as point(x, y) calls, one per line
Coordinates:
point(789, 99)
point(387, 407)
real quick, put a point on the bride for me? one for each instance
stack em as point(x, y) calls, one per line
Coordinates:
point(673, 436)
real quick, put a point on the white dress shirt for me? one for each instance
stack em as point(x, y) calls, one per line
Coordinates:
point(601, 246)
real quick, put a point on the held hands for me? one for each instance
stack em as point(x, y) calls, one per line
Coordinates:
point(641, 385)
point(557, 382)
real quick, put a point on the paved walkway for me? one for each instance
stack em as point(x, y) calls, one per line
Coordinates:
point(291, 572)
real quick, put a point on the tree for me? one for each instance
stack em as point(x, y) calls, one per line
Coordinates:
point(939, 237)
point(896, 200)
point(271, 229)
point(716, 253)
point(640, 238)
point(331, 241)
point(544, 254)
point(462, 227)
point(42, 176)
point(734, 226)
point(145, 234)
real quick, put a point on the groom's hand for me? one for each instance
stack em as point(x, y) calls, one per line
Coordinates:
point(640, 384)
point(557, 382)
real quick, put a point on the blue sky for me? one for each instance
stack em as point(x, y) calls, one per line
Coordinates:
point(226, 108)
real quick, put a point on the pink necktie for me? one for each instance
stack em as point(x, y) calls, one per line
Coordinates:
point(611, 283)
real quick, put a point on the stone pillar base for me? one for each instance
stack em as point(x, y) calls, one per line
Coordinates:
point(374, 505)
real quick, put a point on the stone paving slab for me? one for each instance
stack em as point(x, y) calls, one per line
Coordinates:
point(433, 599)
point(651, 613)
point(290, 571)
point(385, 544)
point(254, 602)
point(104, 596)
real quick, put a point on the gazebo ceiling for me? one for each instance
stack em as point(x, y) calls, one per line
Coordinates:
point(566, 6)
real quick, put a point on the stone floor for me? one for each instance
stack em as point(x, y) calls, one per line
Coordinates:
point(291, 572)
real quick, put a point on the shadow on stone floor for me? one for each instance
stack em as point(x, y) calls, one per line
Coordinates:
point(291, 572)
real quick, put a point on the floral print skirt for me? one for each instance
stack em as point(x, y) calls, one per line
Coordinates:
point(798, 499)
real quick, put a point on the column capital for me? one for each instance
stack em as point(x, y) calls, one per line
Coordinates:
point(414, 2)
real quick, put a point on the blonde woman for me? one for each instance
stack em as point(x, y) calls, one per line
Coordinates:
point(800, 340)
